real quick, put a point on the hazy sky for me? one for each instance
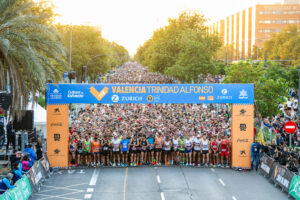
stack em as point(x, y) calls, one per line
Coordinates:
point(131, 22)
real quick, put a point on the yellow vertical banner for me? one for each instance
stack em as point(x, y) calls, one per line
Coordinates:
point(58, 135)
point(242, 135)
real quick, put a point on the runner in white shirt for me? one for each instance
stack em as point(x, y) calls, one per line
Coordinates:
point(175, 149)
point(116, 150)
point(205, 150)
point(196, 153)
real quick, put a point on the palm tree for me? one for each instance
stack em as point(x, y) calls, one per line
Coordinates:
point(30, 51)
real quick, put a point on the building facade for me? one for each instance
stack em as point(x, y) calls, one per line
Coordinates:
point(254, 25)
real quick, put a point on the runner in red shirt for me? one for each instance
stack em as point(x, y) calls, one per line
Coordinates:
point(224, 146)
point(215, 151)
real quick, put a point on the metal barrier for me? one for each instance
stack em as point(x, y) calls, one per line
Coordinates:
point(281, 176)
point(30, 182)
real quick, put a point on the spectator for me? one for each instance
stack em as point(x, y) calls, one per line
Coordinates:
point(16, 172)
point(254, 152)
point(39, 149)
point(31, 155)
point(5, 184)
point(25, 163)
point(11, 136)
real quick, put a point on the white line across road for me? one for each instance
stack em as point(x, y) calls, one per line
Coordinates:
point(162, 196)
point(90, 190)
point(158, 179)
point(233, 198)
point(87, 196)
point(94, 177)
point(213, 170)
point(221, 181)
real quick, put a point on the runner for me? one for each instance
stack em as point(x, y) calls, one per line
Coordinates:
point(196, 153)
point(215, 152)
point(72, 150)
point(116, 150)
point(105, 151)
point(96, 151)
point(151, 149)
point(158, 148)
point(87, 150)
point(125, 150)
point(143, 144)
point(167, 150)
point(175, 150)
point(133, 145)
point(205, 150)
point(188, 144)
point(224, 151)
point(79, 151)
point(181, 150)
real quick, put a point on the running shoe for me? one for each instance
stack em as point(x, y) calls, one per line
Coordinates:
point(134, 164)
point(187, 164)
point(199, 165)
point(206, 165)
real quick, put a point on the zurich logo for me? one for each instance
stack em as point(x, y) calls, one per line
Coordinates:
point(115, 98)
point(224, 91)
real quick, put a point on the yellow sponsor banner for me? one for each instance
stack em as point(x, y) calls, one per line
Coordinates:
point(242, 135)
point(58, 135)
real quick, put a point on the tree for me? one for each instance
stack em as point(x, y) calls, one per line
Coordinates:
point(183, 49)
point(284, 45)
point(29, 51)
point(87, 42)
point(268, 93)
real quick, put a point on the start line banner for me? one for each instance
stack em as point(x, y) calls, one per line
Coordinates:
point(150, 93)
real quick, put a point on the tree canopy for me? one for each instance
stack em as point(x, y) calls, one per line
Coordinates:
point(183, 49)
point(87, 42)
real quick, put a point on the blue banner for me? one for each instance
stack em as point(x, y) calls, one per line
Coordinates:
point(150, 93)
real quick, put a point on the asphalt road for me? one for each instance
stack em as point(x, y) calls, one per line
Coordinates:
point(158, 183)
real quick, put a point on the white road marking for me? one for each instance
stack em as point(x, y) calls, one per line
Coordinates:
point(81, 172)
point(221, 181)
point(87, 196)
point(233, 198)
point(71, 171)
point(158, 179)
point(213, 170)
point(90, 190)
point(162, 196)
point(60, 172)
point(94, 177)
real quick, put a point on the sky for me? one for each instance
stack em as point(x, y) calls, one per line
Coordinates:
point(131, 22)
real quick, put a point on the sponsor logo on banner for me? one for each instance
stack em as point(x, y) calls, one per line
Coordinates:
point(243, 127)
point(56, 151)
point(75, 94)
point(99, 95)
point(224, 91)
point(243, 153)
point(242, 112)
point(56, 111)
point(242, 140)
point(115, 98)
point(56, 137)
point(55, 94)
point(149, 98)
point(202, 98)
point(132, 99)
point(210, 98)
point(294, 189)
point(156, 99)
point(56, 124)
point(243, 94)
point(265, 167)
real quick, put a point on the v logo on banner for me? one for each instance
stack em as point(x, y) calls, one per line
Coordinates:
point(99, 95)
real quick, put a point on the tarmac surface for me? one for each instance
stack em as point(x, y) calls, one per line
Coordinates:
point(158, 183)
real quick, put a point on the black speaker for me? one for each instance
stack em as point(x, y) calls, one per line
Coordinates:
point(26, 122)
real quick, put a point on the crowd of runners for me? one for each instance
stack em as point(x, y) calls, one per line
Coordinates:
point(150, 134)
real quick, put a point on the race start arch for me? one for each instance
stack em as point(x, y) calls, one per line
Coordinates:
point(241, 96)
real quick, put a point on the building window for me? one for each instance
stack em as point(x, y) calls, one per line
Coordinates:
point(279, 12)
point(279, 21)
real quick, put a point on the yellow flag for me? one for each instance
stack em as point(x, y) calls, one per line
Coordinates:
point(260, 137)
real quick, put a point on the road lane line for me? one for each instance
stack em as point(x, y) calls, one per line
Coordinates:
point(90, 190)
point(221, 181)
point(94, 177)
point(162, 196)
point(158, 179)
point(87, 196)
point(213, 170)
point(233, 198)
point(125, 182)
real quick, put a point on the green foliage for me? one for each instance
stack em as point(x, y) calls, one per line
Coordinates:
point(183, 49)
point(42, 102)
point(284, 45)
point(269, 92)
point(30, 50)
point(87, 42)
